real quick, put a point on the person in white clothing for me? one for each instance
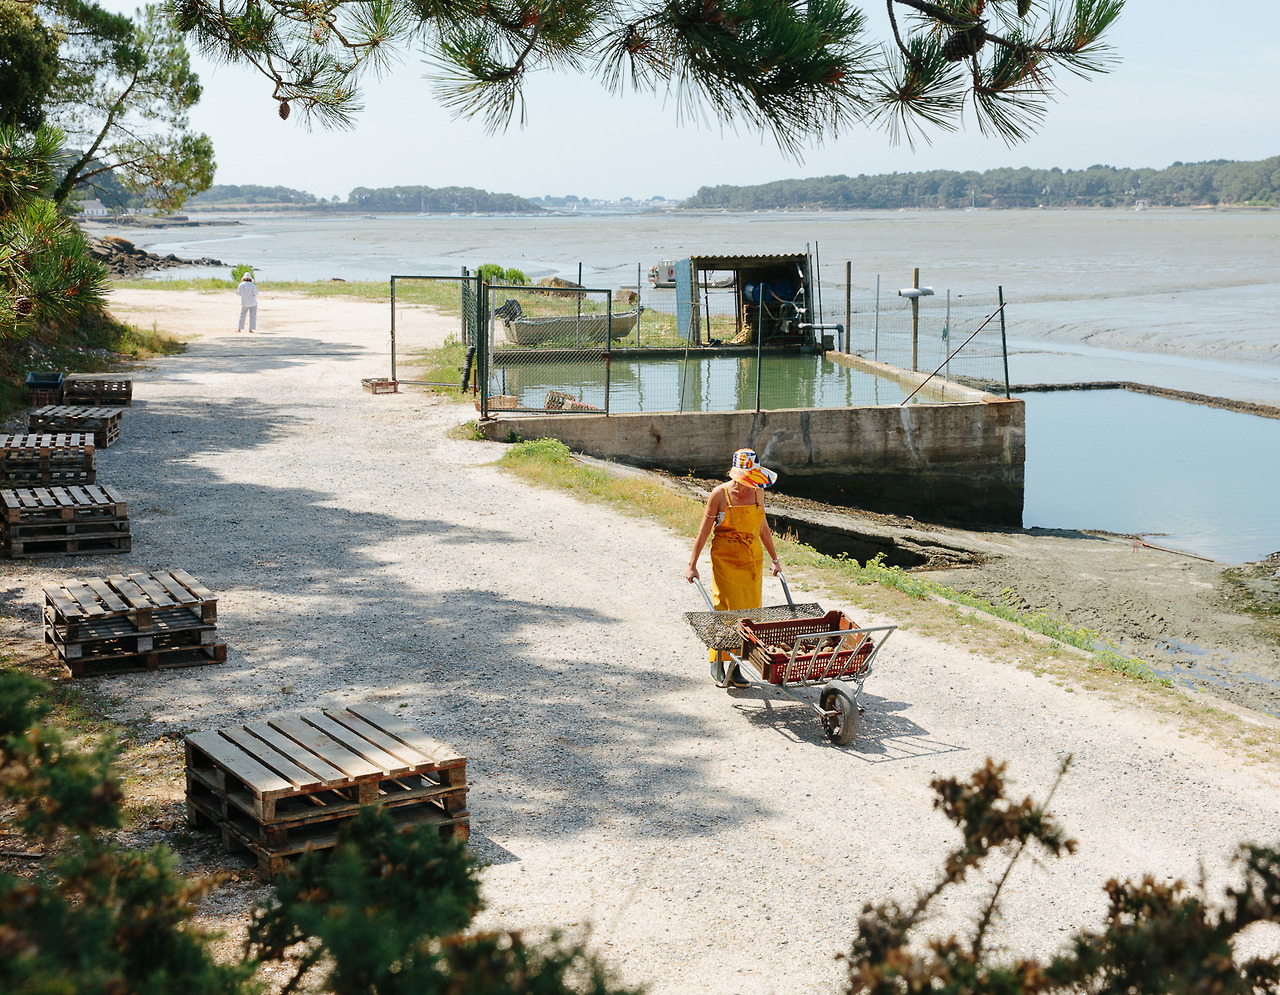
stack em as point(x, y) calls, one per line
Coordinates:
point(248, 291)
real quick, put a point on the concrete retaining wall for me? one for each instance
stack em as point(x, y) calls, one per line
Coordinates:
point(960, 461)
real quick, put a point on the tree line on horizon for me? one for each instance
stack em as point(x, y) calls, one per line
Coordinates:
point(1219, 181)
point(406, 199)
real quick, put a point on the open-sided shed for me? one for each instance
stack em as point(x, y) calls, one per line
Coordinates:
point(772, 296)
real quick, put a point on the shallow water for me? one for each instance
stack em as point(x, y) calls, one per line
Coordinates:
point(1186, 299)
point(722, 383)
point(1186, 476)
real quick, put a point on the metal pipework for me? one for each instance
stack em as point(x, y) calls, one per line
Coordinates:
point(836, 327)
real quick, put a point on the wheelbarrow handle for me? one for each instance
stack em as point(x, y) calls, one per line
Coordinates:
point(785, 590)
point(705, 597)
point(710, 607)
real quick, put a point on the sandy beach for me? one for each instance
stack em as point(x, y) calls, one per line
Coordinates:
point(701, 839)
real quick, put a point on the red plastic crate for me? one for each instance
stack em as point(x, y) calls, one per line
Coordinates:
point(812, 665)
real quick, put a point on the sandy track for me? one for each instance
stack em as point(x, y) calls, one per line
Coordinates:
point(712, 840)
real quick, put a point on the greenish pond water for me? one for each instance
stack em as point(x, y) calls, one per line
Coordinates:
point(717, 383)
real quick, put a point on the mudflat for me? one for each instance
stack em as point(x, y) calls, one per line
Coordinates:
point(703, 839)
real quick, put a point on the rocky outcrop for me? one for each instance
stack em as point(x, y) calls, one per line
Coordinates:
point(123, 258)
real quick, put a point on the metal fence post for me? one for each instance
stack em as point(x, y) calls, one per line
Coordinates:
point(875, 354)
point(1004, 344)
point(848, 304)
point(482, 347)
point(608, 347)
point(759, 346)
point(393, 329)
point(638, 305)
point(915, 321)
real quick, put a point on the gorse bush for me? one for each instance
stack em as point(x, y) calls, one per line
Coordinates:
point(1156, 938)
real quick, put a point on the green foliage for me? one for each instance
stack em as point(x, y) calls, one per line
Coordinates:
point(1179, 185)
point(250, 193)
point(239, 270)
point(438, 200)
point(493, 273)
point(48, 281)
point(29, 66)
point(123, 93)
point(99, 920)
point(1158, 938)
point(800, 70)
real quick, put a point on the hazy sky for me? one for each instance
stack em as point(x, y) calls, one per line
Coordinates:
point(1192, 85)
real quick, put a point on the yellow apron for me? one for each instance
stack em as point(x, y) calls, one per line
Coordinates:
point(737, 559)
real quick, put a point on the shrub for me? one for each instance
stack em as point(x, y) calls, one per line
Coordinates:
point(493, 273)
point(239, 270)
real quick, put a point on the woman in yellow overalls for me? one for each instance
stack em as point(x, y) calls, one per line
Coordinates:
point(735, 510)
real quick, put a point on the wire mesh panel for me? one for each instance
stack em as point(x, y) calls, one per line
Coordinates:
point(720, 342)
point(886, 329)
point(431, 317)
point(549, 347)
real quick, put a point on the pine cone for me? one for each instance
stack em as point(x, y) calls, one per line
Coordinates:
point(964, 43)
point(284, 110)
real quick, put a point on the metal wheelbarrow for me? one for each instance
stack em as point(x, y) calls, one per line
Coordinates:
point(792, 647)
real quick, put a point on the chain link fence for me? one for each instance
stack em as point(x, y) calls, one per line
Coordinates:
point(961, 335)
point(730, 347)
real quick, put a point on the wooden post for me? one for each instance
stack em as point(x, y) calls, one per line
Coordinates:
point(915, 321)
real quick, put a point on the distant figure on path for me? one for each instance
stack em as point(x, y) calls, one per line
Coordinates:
point(248, 291)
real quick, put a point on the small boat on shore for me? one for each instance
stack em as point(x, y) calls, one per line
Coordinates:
point(566, 329)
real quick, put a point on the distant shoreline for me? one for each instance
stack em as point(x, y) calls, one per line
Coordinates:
point(186, 220)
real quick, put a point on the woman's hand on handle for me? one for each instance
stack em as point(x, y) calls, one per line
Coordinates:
point(777, 567)
point(691, 573)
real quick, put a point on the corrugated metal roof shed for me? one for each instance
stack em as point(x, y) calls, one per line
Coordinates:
point(746, 262)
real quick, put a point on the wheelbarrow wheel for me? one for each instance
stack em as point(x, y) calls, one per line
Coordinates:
point(842, 727)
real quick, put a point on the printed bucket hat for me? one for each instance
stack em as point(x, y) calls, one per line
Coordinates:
point(745, 468)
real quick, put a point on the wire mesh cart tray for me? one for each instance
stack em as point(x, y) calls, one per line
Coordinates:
point(793, 647)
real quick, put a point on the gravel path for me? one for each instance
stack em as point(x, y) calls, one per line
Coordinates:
point(709, 840)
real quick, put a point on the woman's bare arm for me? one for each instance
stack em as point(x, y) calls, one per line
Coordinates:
point(715, 504)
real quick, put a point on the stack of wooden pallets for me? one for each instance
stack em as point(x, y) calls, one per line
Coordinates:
point(286, 785)
point(86, 388)
point(116, 624)
point(47, 459)
point(104, 423)
point(63, 521)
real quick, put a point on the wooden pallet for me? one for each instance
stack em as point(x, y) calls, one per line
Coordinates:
point(34, 505)
point(165, 658)
point(81, 388)
point(53, 475)
point(284, 786)
point(30, 548)
point(46, 460)
point(103, 422)
point(63, 521)
point(143, 621)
